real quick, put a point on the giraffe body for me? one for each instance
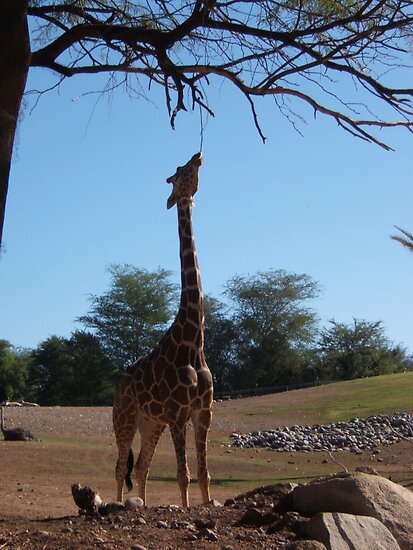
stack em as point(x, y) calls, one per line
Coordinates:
point(173, 384)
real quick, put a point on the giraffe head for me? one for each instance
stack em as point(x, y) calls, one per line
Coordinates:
point(185, 180)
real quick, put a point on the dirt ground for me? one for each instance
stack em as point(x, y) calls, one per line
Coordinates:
point(77, 445)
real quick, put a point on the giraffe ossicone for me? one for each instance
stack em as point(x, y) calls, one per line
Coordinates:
point(172, 384)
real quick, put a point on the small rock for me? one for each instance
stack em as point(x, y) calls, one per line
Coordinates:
point(133, 503)
point(229, 502)
point(355, 436)
point(205, 523)
point(170, 507)
point(291, 521)
point(252, 516)
point(305, 545)
point(162, 525)
point(208, 534)
point(140, 521)
point(183, 525)
point(138, 547)
point(366, 470)
point(111, 508)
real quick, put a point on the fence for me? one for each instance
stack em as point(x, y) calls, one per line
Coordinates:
point(251, 392)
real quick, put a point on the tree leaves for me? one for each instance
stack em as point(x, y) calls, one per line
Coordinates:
point(130, 318)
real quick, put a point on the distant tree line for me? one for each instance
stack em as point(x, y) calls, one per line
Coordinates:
point(262, 333)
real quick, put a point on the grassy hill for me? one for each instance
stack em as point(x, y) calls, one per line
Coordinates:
point(322, 404)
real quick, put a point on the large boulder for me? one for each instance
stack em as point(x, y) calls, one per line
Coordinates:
point(363, 495)
point(347, 532)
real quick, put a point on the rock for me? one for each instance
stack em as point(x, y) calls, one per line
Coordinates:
point(291, 521)
point(111, 508)
point(44, 533)
point(162, 525)
point(252, 516)
point(355, 436)
point(364, 495)
point(208, 534)
point(183, 525)
point(138, 547)
point(133, 503)
point(215, 503)
point(366, 470)
point(347, 532)
point(205, 523)
point(305, 545)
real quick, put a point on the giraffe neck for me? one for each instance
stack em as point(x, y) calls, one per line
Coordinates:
point(191, 308)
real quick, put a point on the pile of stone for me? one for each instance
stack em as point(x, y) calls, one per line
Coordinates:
point(356, 435)
point(341, 512)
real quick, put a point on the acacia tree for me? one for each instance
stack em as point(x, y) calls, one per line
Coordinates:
point(357, 350)
point(292, 50)
point(132, 315)
point(275, 326)
point(221, 341)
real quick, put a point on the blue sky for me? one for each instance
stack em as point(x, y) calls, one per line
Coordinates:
point(88, 189)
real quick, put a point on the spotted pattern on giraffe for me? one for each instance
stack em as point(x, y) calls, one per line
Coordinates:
point(173, 383)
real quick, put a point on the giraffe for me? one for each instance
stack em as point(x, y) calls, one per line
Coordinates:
point(172, 384)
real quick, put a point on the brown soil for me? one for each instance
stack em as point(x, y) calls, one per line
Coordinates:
point(77, 445)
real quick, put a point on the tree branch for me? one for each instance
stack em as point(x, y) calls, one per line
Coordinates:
point(252, 45)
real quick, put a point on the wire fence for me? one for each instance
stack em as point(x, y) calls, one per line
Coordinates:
point(265, 390)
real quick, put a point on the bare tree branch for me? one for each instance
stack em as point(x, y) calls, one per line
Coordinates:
point(257, 46)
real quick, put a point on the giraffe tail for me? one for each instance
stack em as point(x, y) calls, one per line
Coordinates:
point(128, 479)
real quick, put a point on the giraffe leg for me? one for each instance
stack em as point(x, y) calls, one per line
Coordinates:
point(202, 421)
point(125, 426)
point(178, 433)
point(124, 445)
point(150, 433)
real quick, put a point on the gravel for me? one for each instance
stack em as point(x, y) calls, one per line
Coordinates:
point(356, 435)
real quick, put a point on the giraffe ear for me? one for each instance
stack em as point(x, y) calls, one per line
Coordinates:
point(171, 201)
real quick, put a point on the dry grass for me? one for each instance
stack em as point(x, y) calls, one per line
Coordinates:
point(77, 445)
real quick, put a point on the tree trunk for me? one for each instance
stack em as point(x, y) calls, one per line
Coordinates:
point(14, 66)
